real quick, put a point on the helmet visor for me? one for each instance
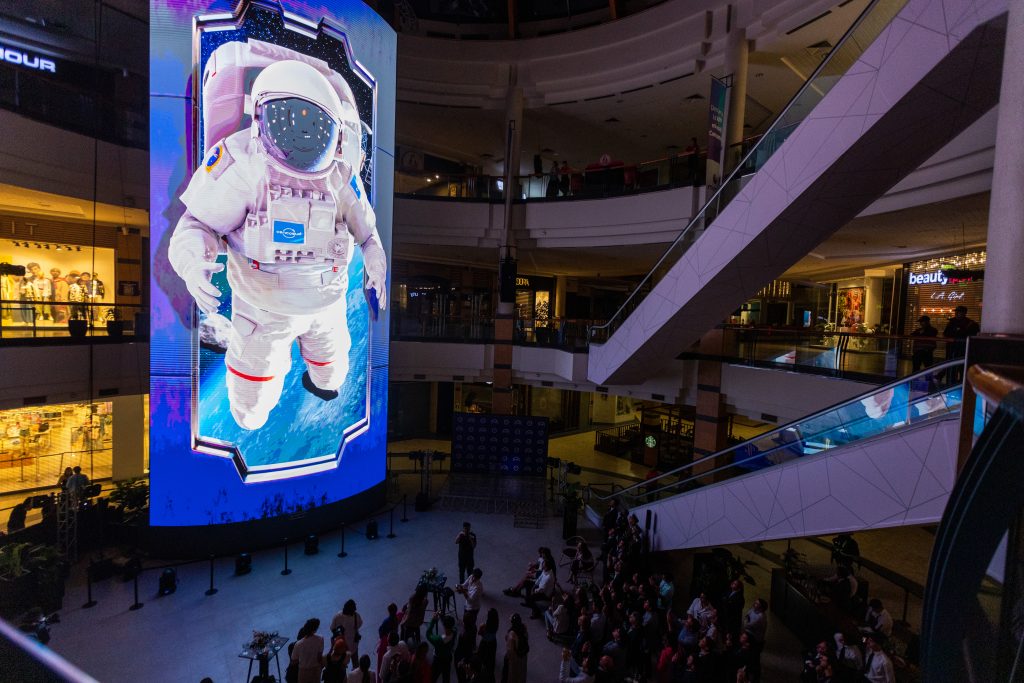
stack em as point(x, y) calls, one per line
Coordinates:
point(299, 134)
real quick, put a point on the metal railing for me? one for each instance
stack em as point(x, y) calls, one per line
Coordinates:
point(592, 182)
point(562, 333)
point(922, 396)
point(875, 17)
point(26, 319)
point(853, 355)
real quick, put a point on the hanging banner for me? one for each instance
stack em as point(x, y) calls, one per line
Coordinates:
point(718, 111)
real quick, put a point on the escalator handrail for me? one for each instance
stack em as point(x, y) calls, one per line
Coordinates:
point(789, 425)
point(742, 164)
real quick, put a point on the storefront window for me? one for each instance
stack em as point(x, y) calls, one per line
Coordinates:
point(37, 444)
point(938, 286)
point(61, 282)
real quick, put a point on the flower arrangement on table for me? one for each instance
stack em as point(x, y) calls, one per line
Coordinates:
point(261, 641)
point(433, 578)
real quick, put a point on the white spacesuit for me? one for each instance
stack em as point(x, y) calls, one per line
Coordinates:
point(287, 198)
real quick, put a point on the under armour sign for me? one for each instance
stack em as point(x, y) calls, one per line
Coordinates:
point(289, 232)
point(13, 56)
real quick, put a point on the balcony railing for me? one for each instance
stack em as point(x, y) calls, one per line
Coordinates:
point(28, 321)
point(593, 182)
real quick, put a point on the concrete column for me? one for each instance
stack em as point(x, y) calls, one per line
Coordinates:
point(710, 427)
point(737, 58)
point(559, 307)
point(873, 299)
point(1004, 276)
point(129, 425)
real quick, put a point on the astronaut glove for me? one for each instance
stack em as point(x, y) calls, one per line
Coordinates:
point(376, 279)
point(197, 279)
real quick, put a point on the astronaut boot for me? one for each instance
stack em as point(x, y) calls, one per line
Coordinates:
point(322, 394)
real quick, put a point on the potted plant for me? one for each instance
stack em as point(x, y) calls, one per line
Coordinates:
point(131, 497)
point(115, 326)
point(78, 327)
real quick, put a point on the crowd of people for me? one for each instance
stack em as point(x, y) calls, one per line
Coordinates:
point(614, 619)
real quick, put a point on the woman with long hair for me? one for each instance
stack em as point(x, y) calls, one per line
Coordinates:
point(487, 649)
point(517, 647)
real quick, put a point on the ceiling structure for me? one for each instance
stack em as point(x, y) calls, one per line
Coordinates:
point(648, 121)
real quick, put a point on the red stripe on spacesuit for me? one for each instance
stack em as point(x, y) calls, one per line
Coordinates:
point(317, 363)
point(251, 378)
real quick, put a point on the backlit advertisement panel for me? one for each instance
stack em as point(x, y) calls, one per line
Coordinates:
point(272, 137)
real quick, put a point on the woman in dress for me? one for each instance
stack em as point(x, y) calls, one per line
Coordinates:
point(308, 653)
point(415, 613)
point(517, 647)
point(350, 621)
point(487, 649)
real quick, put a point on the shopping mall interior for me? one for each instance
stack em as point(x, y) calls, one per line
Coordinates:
point(715, 302)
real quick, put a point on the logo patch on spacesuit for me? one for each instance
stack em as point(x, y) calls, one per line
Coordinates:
point(355, 187)
point(289, 233)
point(214, 158)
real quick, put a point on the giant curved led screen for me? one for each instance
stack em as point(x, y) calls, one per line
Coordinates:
point(271, 144)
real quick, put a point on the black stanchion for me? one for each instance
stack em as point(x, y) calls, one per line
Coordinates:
point(342, 553)
point(211, 590)
point(137, 604)
point(405, 516)
point(391, 524)
point(88, 579)
point(286, 571)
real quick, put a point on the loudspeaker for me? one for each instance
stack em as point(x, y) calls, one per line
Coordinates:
point(422, 502)
point(507, 280)
point(312, 544)
point(243, 564)
point(168, 581)
point(371, 530)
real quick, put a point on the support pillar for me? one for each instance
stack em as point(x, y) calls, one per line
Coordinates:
point(873, 300)
point(1002, 326)
point(737, 59)
point(504, 320)
point(710, 427)
point(559, 306)
point(128, 442)
point(1004, 277)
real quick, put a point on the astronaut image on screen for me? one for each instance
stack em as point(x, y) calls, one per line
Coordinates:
point(284, 199)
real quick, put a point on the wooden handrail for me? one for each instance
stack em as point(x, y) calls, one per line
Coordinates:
point(993, 381)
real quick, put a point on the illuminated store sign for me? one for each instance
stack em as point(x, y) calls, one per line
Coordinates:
point(15, 56)
point(934, 278)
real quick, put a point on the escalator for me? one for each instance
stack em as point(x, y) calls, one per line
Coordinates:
point(884, 458)
point(906, 79)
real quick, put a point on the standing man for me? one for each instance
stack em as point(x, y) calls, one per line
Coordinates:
point(466, 540)
point(960, 327)
point(924, 350)
point(756, 628)
point(473, 589)
point(877, 665)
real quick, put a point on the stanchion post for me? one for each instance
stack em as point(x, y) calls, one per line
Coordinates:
point(405, 516)
point(286, 571)
point(391, 524)
point(88, 582)
point(211, 590)
point(343, 553)
point(137, 604)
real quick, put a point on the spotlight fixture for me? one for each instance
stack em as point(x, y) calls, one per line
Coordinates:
point(78, 249)
point(47, 246)
point(168, 581)
point(312, 544)
point(58, 247)
point(243, 564)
